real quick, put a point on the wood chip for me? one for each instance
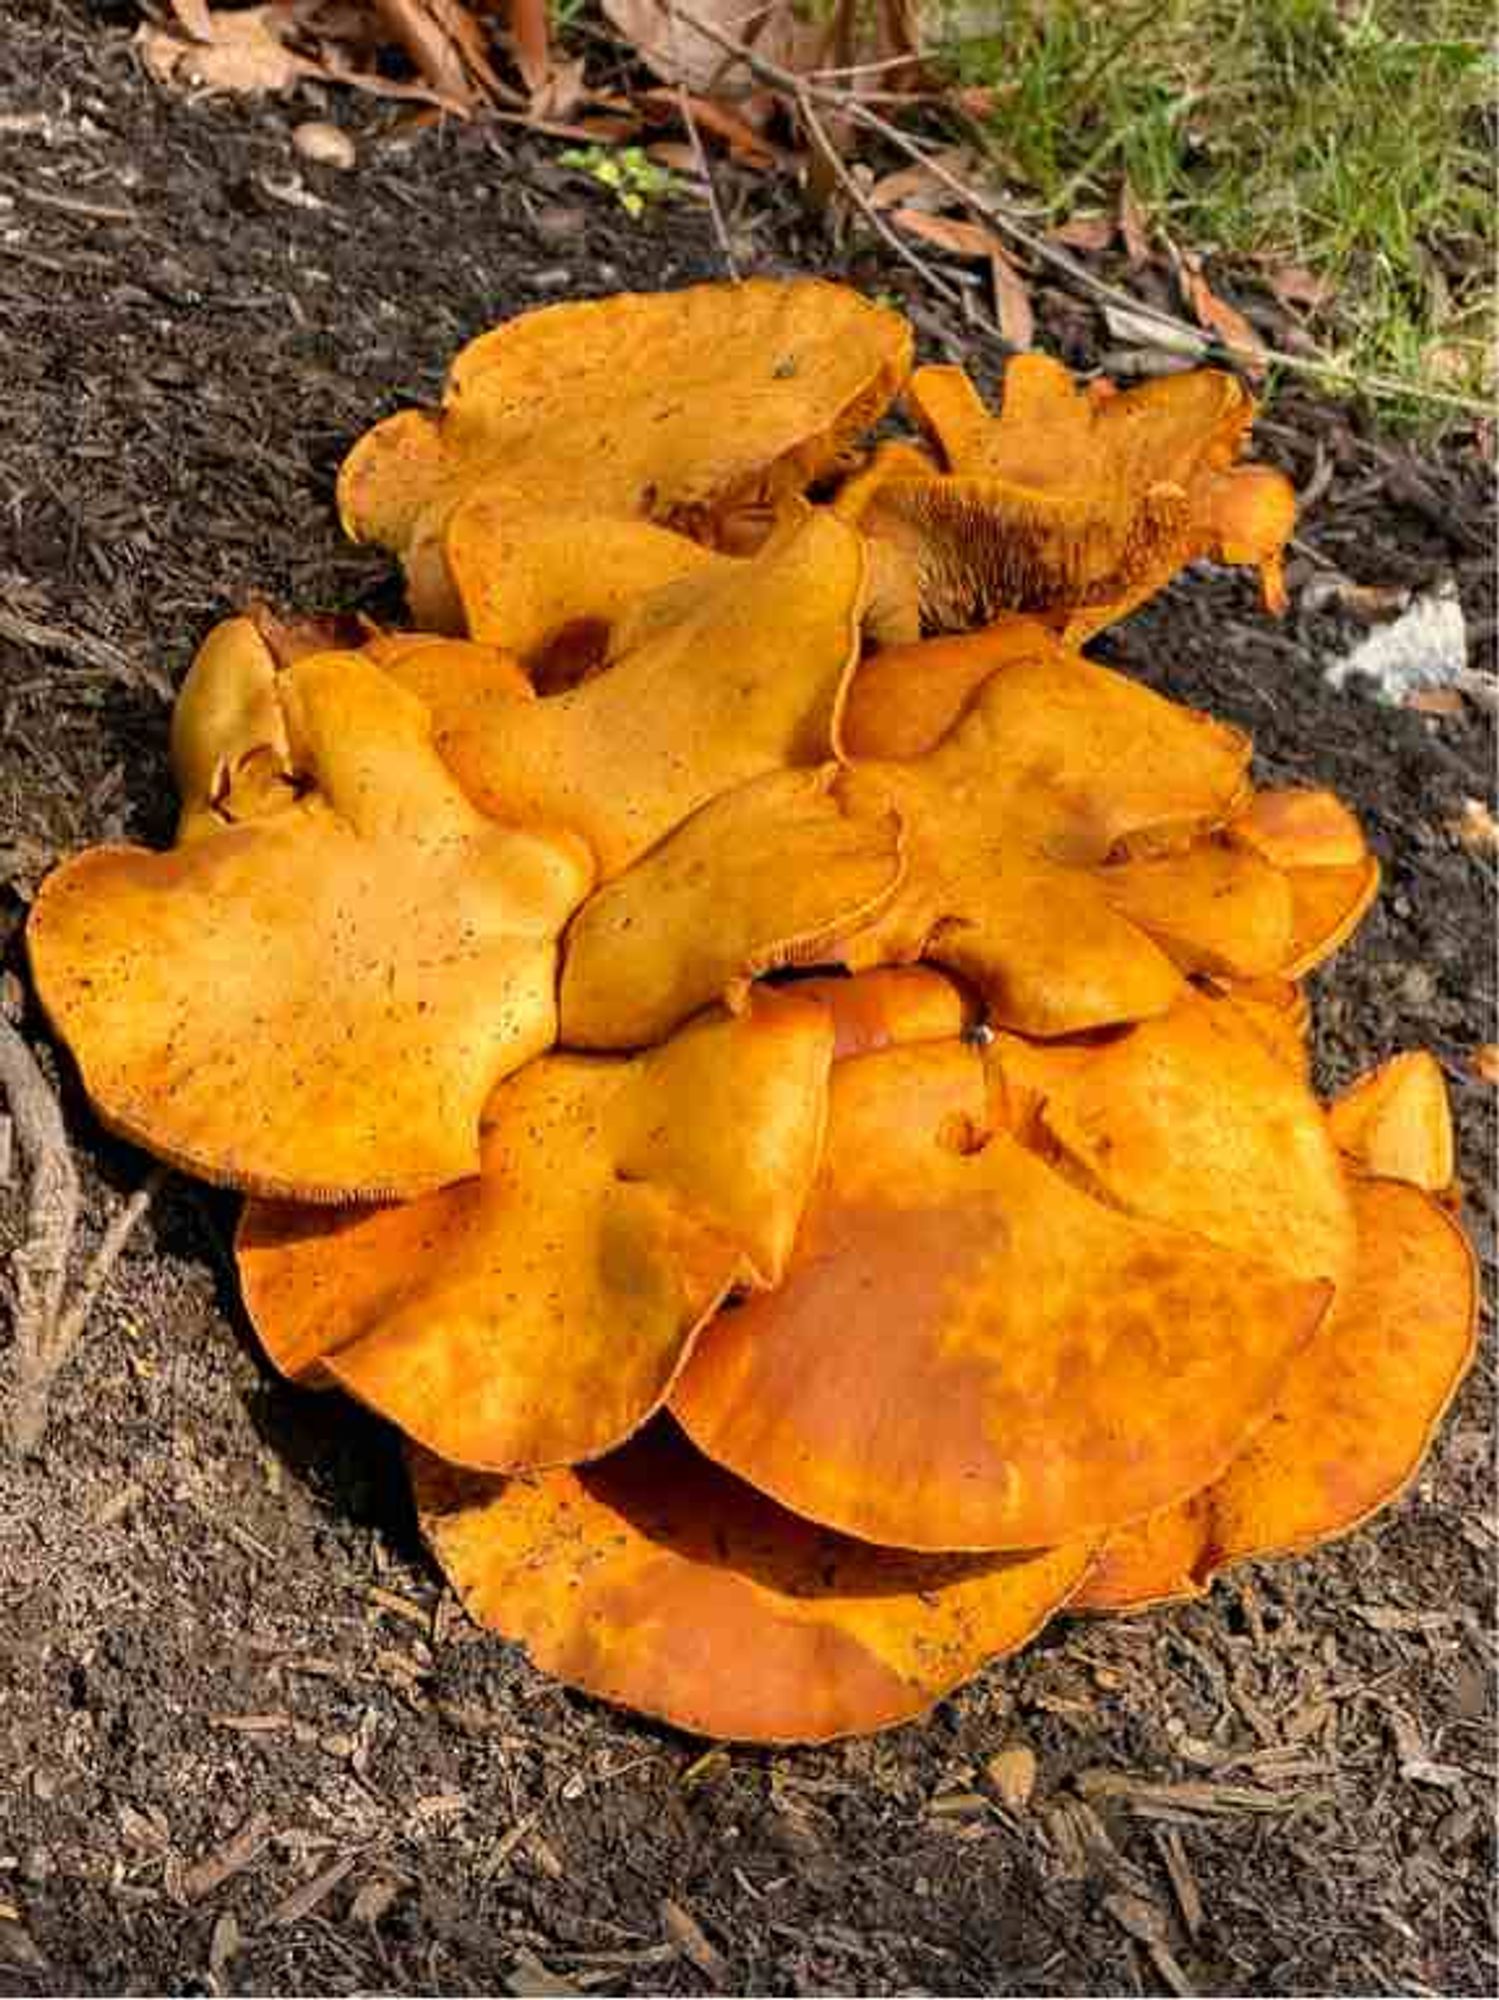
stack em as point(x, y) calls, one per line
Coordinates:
point(1173, 1852)
point(529, 1976)
point(304, 1899)
point(217, 1868)
point(373, 1899)
point(1012, 1772)
point(684, 1931)
point(1150, 1799)
point(223, 1945)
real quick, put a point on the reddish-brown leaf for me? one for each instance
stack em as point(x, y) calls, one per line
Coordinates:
point(1085, 232)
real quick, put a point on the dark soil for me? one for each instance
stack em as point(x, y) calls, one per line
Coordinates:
point(246, 1742)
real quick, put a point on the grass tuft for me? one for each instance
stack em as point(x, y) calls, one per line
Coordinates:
point(1353, 139)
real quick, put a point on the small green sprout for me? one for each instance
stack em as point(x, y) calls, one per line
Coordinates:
point(634, 179)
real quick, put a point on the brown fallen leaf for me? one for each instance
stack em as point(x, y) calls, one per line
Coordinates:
point(1012, 301)
point(1134, 229)
point(1295, 285)
point(1219, 317)
point(918, 186)
point(1484, 1063)
point(686, 1933)
point(678, 52)
point(1474, 827)
point(244, 52)
point(718, 120)
point(1086, 232)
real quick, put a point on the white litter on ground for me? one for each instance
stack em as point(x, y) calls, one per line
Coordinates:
point(1425, 647)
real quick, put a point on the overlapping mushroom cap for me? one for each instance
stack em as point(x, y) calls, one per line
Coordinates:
point(820, 1122)
point(318, 1002)
point(537, 1314)
point(670, 408)
point(1071, 502)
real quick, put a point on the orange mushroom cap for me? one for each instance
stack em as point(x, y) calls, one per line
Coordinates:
point(230, 754)
point(968, 1352)
point(1068, 502)
point(903, 700)
point(315, 1004)
point(762, 877)
point(890, 1007)
point(1396, 1123)
point(672, 407)
point(657, 1581)
point(1319, 846)
point(1009, 825)
point(533, 582)
point(1352, 1421)
point(1192, 1119)
point(739, 672)
point(537, 1314)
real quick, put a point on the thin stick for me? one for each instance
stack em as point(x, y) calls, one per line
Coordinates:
point(105, 1257)
point(40, 1265)
point(1052, 254)
point(81, 647)
point(700, 154)
point(856, 195)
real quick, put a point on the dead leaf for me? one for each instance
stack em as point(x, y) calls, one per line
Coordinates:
point(1144, 329)
point(918, 185)
point(684, 1931)
point(720, 121)
point(530, 37)
point(970, 239)
point(1435, 701)
point(416, 30)
point(1086, 232)
point(681, 53)
point(243, 52)
point(673, 153)
point(1226, 321)
point(1474, 828)
point(1134, 229)
point(1012, 299)
point(1012, 1772)
point(1484, 1063)
point(1294, 285)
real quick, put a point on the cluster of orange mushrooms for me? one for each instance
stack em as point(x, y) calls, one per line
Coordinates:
point(783, 1078)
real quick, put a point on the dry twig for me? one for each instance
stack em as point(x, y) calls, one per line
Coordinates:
point(704, 168)
point(44, 1329)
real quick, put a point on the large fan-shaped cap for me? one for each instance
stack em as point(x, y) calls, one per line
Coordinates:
point(1073, 502)
point(740, 672)
point(657, 1581)
point(316, 1003)
point(1352, 1420)
point(668, 407)
point(1193, 1119)
point(1009, 824)
point(765, 876)
point(969, 1352)
point(537, 1314)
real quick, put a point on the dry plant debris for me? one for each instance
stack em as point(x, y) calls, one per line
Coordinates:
point(808, 1134)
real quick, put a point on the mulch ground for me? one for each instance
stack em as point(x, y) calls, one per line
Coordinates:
point(246, 1741)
